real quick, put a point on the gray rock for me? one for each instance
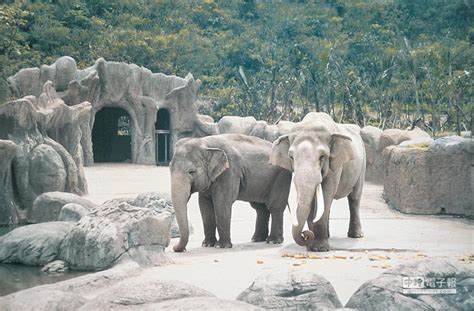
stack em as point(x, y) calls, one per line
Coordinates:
point(48, 205)
point(395, 137)
point(386, 291)
point(57, 266)
point(436, 179)
point(295, 291)
point(417, 142)
point(72, 212)
point(138, 292)
point(371, 137)
point(42, 300)
point(201, 303)
point(47, 171)
point(160, 202)
point(237, 125)
point(9, 209)
point(34, 245)
point(113, 232)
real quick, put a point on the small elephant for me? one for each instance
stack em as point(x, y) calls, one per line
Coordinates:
point(223, 169)
point(322, 153)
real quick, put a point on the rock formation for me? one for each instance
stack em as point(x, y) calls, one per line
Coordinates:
point(40, 150)
point(436, 179)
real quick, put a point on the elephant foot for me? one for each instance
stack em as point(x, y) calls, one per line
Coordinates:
point(274, 240)
point(318, 246)
point(209, 242)
point(356, 233)
point(223, 244)
point(259, 238)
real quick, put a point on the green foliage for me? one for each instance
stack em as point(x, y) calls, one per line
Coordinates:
point(390, 63)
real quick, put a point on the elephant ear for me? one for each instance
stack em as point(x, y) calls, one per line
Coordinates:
point(341, 151)
point(218, 162)
point(279, 156)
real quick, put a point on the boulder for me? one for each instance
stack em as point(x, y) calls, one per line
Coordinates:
point(201, 303)
point(72, 212)
point(8, 207)
point(42, 300)
point(47, 171)
point(48, 206)
point(115, 232)
point(141, 291)
point(57, 266)
point(161, 203)
point(236, 125)
point(34, 245)
point(436, 179)
point(391, 137)
point(298, 290)
point(374, 169)
point(386, 292)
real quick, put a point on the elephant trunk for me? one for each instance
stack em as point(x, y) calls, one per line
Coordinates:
point(180, 193)
point(306, 189)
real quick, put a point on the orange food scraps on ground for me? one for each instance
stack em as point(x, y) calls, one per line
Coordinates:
point(311, 256)
point(421, 255)
point(386, 266)
point(340, 257)
point(299, 256)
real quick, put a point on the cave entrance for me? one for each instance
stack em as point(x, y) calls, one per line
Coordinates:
point(162, 137)
point(111, 135)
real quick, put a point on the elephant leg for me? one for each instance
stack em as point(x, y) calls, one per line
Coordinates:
point(276, 232)
point(208, 220)
point(261, 224)
point(321, 227)
point(355, 227)
point(223, 197)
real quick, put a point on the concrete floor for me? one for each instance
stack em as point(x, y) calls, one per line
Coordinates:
point(391, 238)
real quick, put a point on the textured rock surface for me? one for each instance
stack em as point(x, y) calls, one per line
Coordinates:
point(48, 206)
point(42, 300)
point(295, 291)
point(47, 133)
point(8, 206)
point(201, 303)
point(117, 231)
point(72, 212)
point(395, 137)
point(386, 292)
point(57, 266)
point(161, 203)
point(135, 89)
point(140, 291)
point(431, 180)
point(374, 168)
point(34, 245)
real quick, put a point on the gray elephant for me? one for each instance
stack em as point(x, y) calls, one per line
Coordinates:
point(225, 168)
point(323, 155)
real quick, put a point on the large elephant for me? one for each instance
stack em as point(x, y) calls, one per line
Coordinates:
point(225, 168)
point(323, 155)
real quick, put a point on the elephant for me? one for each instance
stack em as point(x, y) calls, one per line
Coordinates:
point(328, 161)
point(222, 169)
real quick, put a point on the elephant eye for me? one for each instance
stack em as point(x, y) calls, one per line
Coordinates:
point(191, 172)
point(321, 158)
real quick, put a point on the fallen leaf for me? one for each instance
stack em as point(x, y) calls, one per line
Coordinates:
point(386, 267)
point(259, 262)
point(421, 255)
point(215, 260)
point(296, 264)
point(299, 256)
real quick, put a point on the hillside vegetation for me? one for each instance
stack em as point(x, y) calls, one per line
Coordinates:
point(388, 63)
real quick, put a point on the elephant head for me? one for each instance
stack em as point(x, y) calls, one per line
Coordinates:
point(194, 168)
point(312, 154)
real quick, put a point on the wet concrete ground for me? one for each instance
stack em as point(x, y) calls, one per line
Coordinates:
point(391, 238)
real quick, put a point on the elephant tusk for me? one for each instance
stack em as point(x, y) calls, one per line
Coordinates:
point(320, 203)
